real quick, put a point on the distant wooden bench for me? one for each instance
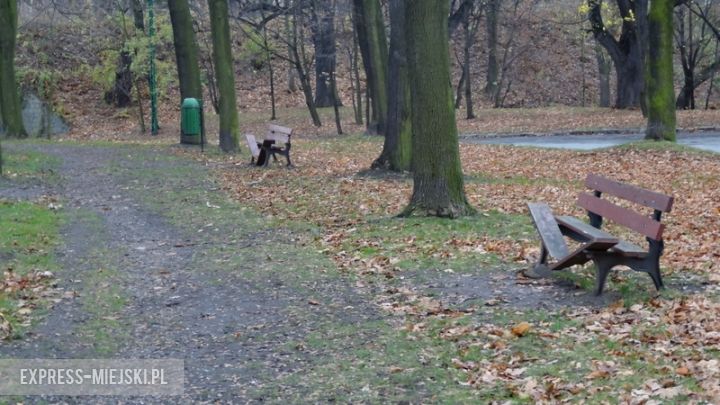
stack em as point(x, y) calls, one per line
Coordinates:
point(275, 142)
point(604, 249)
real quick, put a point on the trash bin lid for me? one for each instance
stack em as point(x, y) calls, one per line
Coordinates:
point(190, 103)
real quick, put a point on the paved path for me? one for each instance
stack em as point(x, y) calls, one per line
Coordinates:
point(705, 141)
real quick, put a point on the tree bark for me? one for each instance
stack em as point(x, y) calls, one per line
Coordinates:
point(491, 79)
point(186, 50)
point(661, 95)
point(374, 51)
point(10, 108)
point(355, 79)
point(627, 52)
point(438, 188)
point(397, 149)
point(604, 65)
point(459, 88)
point(469, 40)
point(325, 52)
point(225, 73)
point(138, 15)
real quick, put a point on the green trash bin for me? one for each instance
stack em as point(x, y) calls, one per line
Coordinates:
point(191, 122)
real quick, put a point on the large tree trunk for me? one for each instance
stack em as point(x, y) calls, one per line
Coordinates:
point(686, 97)
point(604, 66)
point(10, 109)
point(225, 73)
point(138, 15)
point(397, 150)
point(627, 52)
point(629, 90)
point(355, 79)
point(491, 27)
point(374, 52)
point(661, 95)
point(686, 48)
point(325, 52)
point(469, 40)
point(438, 188)
point(186, 50)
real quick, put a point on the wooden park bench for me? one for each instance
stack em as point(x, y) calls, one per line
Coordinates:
point(604, 249)
point(275, 142)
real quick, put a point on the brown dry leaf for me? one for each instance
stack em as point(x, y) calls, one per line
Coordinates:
point(683, 371)
point(457, 363)
point(521, 329)
point(597, 374)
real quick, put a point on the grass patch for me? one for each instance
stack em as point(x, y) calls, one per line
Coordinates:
point(663, 146)
point(29, 235)
point(26, 165)
point(435, 243)
point(103, 301)
point(371, 362)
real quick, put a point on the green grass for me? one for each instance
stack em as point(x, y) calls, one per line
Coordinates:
point(29, 165)
point(389, 366)
point(427, 243)
point(660, 146)
point(103, 301)
point(28, 238)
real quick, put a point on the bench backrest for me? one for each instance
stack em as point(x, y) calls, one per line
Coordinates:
point(278, 133)
point(648, 226)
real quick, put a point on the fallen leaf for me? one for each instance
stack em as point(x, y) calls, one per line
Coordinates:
point(683, 371)
point(520, 329)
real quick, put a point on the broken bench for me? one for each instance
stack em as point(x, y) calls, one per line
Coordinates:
point(604, 249)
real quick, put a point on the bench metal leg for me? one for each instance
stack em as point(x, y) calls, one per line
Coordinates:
point(602, 269)
point(287, 154)
point(653, 262)
point(541, 268)
point(650, 265)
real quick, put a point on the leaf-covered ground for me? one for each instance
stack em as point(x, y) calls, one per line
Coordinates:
point(421, 310)
point(639, 347)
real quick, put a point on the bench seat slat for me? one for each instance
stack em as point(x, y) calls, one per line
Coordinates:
point(548, 229)
point(585, 229)
point(252, 145)
point(628, 249)
point(623, 216)
point(622, 247)
point(581, 255)
point(629, 192)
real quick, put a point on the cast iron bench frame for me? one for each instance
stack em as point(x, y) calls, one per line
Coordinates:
point(262, 151)
point(604, 249)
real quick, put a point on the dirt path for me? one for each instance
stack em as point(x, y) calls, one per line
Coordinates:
point(164, 266)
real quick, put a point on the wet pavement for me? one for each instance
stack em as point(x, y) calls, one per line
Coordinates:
point(709, 141)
